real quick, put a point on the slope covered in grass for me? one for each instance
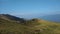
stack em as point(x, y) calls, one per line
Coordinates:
point(33, 26)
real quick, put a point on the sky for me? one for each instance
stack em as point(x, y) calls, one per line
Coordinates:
point(30, 8)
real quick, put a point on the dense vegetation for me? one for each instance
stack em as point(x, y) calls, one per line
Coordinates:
point(33, 26)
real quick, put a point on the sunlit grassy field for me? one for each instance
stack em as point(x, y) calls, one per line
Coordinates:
point(35, 26)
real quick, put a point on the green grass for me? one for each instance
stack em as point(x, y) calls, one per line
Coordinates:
point(31, 27)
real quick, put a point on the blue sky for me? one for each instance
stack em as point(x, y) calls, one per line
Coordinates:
point(30, 8)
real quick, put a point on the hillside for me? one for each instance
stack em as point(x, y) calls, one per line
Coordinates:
point(8, 25)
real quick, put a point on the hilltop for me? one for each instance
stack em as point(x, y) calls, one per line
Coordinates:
point(14, 25)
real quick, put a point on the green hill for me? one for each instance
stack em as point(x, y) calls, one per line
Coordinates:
point(22, 26)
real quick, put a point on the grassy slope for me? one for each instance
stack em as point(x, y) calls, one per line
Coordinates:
point(39, 27)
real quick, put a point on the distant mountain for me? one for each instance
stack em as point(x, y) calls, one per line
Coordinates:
point(55, 18)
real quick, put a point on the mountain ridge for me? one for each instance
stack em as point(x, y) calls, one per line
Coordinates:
point(54, 18)
point(11, 18)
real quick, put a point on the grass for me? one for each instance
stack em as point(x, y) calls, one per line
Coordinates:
point(30, 27)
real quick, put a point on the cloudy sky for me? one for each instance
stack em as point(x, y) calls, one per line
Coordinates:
point(30, 8)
